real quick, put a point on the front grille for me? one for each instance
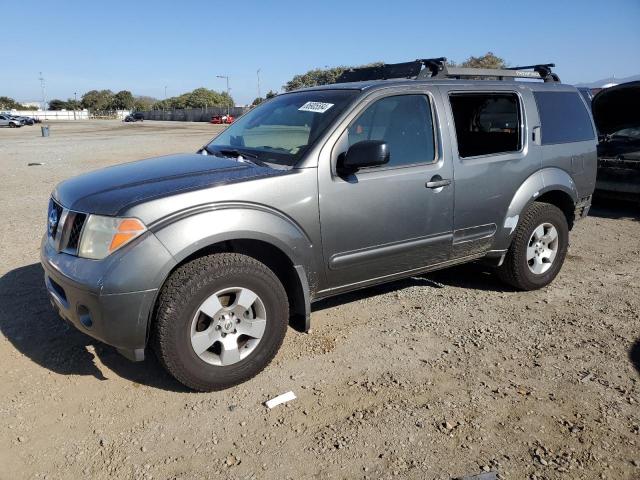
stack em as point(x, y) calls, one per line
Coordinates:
point(76, 230)
point(65, 227)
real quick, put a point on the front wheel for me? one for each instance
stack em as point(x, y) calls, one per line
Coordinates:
point(538, 248)
point(220, 320)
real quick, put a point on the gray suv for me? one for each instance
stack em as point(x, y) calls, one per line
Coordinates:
point(397, 170)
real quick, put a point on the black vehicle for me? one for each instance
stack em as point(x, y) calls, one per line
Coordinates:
point(24, 120)
point(616, 112)
point(134, 117)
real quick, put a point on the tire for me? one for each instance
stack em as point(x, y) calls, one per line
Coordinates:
point(518, 270)
point(180, 318)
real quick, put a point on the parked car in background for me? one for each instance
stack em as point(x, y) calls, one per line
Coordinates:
point(616, 112)
point(207, 257)
point(24, 120)
point(134, 117)
point(222, 119)
point(9, 121)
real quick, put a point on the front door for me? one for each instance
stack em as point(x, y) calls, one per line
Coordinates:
point(391, 218)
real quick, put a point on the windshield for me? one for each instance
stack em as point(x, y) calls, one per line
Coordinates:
point(284, 128)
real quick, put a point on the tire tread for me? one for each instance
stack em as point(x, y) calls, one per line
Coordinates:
point(183, 284)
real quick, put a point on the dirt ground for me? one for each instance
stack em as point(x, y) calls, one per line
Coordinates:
point(435, 377)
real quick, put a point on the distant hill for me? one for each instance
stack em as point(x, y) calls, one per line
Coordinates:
point(604, 81)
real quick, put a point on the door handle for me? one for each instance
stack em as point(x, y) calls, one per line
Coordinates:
point(437, 182)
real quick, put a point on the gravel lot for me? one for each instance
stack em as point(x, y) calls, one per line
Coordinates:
point(439, 376)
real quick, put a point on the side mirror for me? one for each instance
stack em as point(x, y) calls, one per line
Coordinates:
point(367, 153)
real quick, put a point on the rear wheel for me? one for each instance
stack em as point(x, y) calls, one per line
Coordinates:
point(538, 248)
point(221, 319)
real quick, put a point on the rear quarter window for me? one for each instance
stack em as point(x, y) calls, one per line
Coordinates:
point(564, 118)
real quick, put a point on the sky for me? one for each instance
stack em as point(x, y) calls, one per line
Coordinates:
point(143, 46)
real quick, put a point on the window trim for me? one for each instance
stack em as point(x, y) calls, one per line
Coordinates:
point(523, 125)
point(434, 127)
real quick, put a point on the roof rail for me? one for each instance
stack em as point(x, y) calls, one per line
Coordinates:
point(437, 68)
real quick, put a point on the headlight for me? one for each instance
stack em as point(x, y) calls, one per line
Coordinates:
point(104, 235)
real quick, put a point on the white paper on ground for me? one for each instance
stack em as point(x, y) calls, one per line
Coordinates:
point(285, 397)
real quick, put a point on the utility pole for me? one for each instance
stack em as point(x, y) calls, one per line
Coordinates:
point(164, 104)
point(226, 77)
point(75, 104)
point(44, 95)
point(258, 74)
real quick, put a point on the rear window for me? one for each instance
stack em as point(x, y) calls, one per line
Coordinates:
point(564, 118)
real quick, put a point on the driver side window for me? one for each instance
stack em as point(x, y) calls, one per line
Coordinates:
point(404, 122)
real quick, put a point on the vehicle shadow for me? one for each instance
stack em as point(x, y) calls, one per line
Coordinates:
point(611, 208)
point(634, 355)
point(474, 276)
point(29, 322)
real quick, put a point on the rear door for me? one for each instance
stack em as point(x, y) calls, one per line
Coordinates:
point(493, 154)
point(386, 220)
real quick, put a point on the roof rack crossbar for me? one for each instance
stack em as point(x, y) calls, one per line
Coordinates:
point(437, 68)
point(543, 69)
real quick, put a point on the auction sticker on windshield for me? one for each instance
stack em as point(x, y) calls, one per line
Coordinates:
point(317, 107)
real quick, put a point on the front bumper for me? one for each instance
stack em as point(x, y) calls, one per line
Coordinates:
point(110, 299)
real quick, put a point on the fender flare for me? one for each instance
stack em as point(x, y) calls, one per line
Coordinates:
point(543, 181)
point(190, 231)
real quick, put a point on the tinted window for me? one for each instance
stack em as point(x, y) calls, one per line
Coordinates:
point(404, 122)
point(486, 123)
point(564, 117)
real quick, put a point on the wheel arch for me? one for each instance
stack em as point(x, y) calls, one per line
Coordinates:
point(270, 238)
point(550, 185)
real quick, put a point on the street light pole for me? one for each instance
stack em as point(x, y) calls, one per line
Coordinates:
point(258, 74)
point(226, 77)
point(75, 104)
point(44, 95)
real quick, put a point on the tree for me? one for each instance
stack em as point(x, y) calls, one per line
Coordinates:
point(315, 77)
point(143, 103)
point(72, 104)
point(56, 104)
point(259, 100)
point(198, 98)
point(123, 100)
point(96, 100)
point(319, 76)
point(8, 103)
point(488, 60)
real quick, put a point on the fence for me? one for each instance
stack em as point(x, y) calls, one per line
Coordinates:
point(53, 114)
point(110, 114)
point(192, 114)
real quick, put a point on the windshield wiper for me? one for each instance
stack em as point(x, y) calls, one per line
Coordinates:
point(232, 152)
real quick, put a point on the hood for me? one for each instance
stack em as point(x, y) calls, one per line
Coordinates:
point(617, 107)
point(111, 190)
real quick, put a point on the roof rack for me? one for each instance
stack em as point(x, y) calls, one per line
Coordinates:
point(437, 68)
